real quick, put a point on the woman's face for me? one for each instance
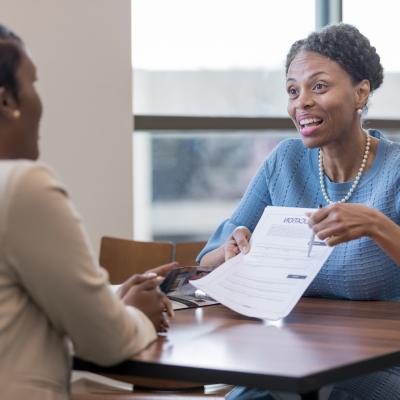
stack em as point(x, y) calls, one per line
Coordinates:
point(30, 108)
point(323, 100)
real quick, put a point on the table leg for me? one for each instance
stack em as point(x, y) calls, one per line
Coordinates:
point(310, 396)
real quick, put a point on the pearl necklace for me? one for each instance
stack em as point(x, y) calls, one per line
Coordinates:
point(356, 180)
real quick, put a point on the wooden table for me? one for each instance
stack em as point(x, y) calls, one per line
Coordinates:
point(321, 342)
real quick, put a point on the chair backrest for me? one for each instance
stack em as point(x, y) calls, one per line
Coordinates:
point(123, 257)
point(186, 252)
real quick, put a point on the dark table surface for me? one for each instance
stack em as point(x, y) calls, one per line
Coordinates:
point(321, 342)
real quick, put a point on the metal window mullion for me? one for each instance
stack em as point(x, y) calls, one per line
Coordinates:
point(327, 12)
point(220, 124)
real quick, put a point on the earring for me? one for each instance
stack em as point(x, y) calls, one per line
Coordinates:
point(16, 114)
point(359, 111)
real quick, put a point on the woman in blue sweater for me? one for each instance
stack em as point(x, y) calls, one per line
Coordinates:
point(352, 172)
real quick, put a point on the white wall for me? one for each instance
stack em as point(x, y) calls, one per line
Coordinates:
point(83, 53)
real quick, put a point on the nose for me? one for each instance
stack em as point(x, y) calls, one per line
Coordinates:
point(304, 100)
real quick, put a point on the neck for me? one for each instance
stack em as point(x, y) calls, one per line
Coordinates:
point(8, 139)
point(356, 179)
point(341, 161)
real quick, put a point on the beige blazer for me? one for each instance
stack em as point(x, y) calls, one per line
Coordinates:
point(52, 290)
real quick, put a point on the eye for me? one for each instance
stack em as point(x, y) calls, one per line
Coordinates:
point(320, 87)
point(292, 92)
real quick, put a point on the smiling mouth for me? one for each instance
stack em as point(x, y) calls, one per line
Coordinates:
point(310, 122)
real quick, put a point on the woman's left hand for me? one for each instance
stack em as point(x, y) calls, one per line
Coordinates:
point(339, 223)
point(163, 270)
point(145, 294)
point(160, 271)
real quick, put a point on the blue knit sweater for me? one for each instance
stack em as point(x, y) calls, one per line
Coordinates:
point(289, 177)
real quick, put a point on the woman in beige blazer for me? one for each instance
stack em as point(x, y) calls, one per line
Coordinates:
point(53, 293)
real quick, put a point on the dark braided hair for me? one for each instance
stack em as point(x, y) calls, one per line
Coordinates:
point(347, 46)
point(10, 58)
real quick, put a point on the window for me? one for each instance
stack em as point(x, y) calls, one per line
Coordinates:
point(196, 179)
point(206, 58)
point(212, 57)
point(205, 61)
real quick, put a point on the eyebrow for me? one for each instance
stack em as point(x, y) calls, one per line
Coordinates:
point(309, 78)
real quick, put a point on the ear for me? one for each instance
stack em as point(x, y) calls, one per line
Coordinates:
point(8, 105)
point(362, 91)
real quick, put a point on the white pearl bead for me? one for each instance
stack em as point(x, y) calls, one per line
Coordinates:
point(356, 179)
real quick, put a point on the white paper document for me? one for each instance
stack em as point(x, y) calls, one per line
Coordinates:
point(268, 281)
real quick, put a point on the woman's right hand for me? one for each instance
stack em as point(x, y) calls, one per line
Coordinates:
point(144, 293)
point(239, 241)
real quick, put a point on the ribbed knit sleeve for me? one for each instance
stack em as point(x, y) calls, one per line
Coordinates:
point(249, 210)
point(358, 269)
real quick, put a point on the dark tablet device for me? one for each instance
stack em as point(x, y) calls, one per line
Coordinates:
point(181, 276)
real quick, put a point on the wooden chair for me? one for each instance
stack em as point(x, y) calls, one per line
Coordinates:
point(186, 252)
point(123, 257)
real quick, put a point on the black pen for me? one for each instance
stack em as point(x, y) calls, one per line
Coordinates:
point(311, 242)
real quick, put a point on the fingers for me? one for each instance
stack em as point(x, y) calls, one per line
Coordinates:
point(162, 312)
point(139, 278)
point(134, 280)
point(165, 312)
point(339, 223)
point(241, 235)
point(150, 284)
point(151, 302)
point(237, 242)
point(145, 282)
point(161, 315)
point(334, 240)
point(231, 249)
point(322, 221)
point(168, 307)
point(318, 216)
point(162, 270)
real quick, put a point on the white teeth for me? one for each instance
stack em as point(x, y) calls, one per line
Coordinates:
point(309, 121)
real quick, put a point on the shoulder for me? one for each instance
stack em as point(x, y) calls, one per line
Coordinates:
point(20, 183)
point(26, 175)
point(14, 170)
point(290, 145)
point(287, 152)
point(23, 181)
point(390, 148)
